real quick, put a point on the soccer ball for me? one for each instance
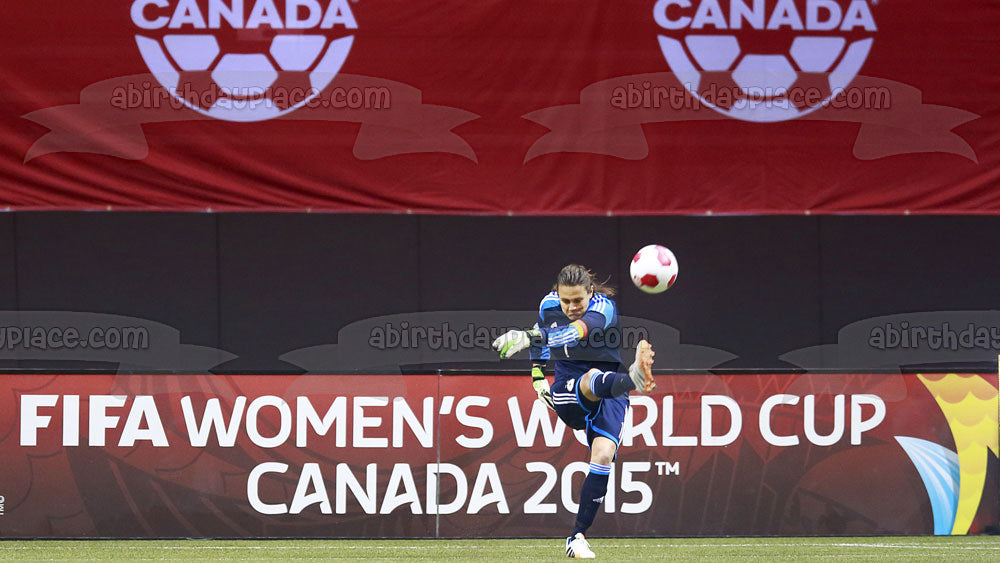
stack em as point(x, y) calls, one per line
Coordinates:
point(789, 68)
point(269, 76)
point(653, 269)
point(764, 87)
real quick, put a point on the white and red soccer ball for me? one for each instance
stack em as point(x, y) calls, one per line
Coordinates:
point(653, 269)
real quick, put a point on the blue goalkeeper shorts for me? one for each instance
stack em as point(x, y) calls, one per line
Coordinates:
point(605, 417)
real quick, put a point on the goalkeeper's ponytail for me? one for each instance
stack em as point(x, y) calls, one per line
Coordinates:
point(575, 274)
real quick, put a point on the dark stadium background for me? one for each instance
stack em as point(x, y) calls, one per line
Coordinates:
point(262, 284)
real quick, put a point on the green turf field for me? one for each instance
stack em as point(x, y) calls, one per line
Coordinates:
point(975, 548)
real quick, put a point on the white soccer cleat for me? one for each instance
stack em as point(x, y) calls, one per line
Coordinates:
point(577, 547)
point(641, 370)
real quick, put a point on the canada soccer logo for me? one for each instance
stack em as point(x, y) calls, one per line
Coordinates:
point(244, 60)
point(765, 60)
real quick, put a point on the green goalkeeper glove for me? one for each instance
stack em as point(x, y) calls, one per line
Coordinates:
point(541, 386)
point(514, 341)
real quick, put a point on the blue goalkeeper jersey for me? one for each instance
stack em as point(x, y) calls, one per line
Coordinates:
point(577, 347)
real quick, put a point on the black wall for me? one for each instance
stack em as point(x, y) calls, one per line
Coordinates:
point(260, 285)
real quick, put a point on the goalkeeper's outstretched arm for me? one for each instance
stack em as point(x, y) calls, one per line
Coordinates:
point(514, 341)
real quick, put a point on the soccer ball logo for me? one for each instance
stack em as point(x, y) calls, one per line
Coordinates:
point(653, 269)
point(244, 61)
point(765, 61)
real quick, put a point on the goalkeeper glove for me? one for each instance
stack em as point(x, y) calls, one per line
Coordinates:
point(542, 387)
point(514, 341)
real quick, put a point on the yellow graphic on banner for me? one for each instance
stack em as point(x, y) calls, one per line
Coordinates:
point(970, 405)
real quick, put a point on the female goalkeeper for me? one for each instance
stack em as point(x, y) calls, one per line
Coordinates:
point(577, 330)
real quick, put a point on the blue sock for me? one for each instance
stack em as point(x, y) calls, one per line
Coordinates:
point(608, 384)
point(595, 486)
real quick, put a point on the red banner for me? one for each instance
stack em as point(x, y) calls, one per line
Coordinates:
point(473, 456)
point(635, 106)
